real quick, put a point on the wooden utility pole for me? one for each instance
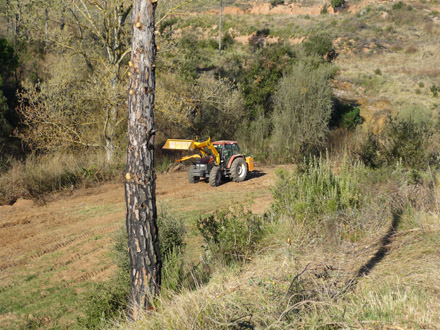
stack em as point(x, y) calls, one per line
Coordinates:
point(220, 29)
point(140, 178)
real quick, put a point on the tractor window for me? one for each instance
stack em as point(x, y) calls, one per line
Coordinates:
point(227, 153)
point(235, 149)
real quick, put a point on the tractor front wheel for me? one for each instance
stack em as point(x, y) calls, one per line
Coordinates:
point(192, 178)
point(215, 176)
point(239, 170)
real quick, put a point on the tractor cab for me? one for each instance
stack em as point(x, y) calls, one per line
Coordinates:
point(226, 150)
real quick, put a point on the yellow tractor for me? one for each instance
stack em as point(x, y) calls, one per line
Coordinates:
point(214, 160)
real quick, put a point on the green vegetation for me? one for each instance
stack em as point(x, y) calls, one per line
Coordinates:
point(409, 139)
point(313, 190)
point(364, 93)
point(109, 300)
point(303, 106)
point(39, 176)
point(231, 236)
point(337, 3)
point(292, 270)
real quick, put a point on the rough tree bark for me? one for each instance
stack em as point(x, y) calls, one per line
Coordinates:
point(140, 186)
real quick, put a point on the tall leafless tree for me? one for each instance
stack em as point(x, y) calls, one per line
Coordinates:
point(140, 184)
point(220, 28)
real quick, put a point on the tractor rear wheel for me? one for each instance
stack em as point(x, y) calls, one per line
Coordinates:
point(215, 176)
point(192, 178)
point(239, 170)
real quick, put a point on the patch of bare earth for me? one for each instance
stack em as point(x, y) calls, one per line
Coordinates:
point(69, 239)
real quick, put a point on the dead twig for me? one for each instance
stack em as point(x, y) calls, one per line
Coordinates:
point(295, 278)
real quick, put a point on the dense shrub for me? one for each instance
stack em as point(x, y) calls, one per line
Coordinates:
point(320, 44)
point(337, 3)
point(231, 235)
point(370, 151)
point(313, 190)
point(345, 115)
point(408, 141)
point(275, 3)
point(434, 90)
point(303, 106)
point(171, 233)
point(259, 78)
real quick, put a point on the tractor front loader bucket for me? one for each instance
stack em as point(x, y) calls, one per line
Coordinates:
point(177, 144)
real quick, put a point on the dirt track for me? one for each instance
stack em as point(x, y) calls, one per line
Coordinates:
point(66, 243)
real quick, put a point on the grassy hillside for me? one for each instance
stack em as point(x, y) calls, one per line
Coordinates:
point(386, 51)
point(372, 265)
point(347, 237)
point(369, 264)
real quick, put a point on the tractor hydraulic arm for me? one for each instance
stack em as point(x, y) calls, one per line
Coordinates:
point(203, 147)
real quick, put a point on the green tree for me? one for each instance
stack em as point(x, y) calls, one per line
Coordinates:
point(302, 110)
point(258, 79)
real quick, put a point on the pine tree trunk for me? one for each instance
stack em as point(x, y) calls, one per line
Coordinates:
point(140, 186)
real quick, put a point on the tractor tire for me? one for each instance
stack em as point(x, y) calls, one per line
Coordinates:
point(191, 177)
point(238, 170)
point(215, 176)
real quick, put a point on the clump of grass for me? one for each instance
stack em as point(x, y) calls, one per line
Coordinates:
point(411, 49)
point(313, 189)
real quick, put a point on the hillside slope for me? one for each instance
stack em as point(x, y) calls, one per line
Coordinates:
point(51, 255)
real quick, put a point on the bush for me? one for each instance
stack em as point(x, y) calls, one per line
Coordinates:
point(313, 190)
point(302, 110)
point(167, 23)
point(258, 79)
point(231, 235)
point(434, 90)
point(369, 152)
point(172, 233)
point(275, 3)
point(337, 3)
point(227, 40)
point(407, 140)
point(398, 6)
point(345, 115)
point(320, 44)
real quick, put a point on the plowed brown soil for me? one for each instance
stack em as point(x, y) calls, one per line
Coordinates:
point(61, 247)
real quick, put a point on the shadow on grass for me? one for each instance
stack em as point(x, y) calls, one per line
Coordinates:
point(384, 246)
point(380, 254)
